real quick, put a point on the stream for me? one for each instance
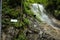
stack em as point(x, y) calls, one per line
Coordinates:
point(41, 14)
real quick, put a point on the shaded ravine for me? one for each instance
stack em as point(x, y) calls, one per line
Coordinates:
point(40, 12)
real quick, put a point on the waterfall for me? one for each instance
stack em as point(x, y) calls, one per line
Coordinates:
point(42, 15)
point(40, 12)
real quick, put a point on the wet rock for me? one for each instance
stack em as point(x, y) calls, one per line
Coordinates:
point(38, 32)
point(10, 33)
point(3, 36)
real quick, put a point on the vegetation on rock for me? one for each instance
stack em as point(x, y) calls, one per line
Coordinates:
point(20, 10)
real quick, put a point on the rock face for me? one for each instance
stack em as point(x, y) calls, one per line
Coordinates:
point(38, 31)
point(35, 31)
point(46, 30)
point(9, 33)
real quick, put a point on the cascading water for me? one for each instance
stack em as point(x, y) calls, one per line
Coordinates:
point(40, 12)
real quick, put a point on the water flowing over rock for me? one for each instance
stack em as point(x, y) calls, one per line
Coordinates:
point(41, 14)
point(34, 21)
point(47, 26)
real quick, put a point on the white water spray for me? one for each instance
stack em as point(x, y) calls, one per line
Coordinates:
point(40, 12)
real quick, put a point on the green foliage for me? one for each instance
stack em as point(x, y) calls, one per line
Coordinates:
point(57, 12)
point(17, 24)
point(21, 36)
point(26, 7)
point(11, 12)
point(44, 2)
point(26, 21)
point(54, 7)
point(5, 21)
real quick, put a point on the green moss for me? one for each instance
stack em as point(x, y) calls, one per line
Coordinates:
point(57, 13)
point(17, 24)
point(11, 12)
point(21, 36)
point(27, 4)
point(26, 21)
point(6, 21)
